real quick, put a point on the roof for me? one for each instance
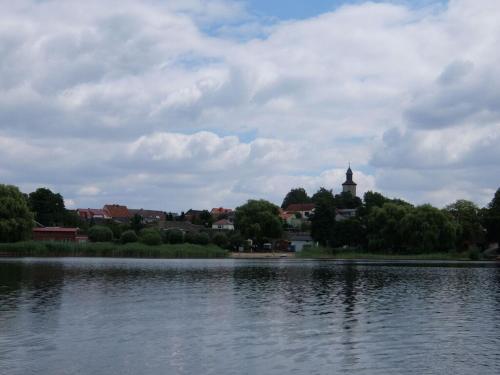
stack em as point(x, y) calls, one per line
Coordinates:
point(223, 222)
point(115, 210)
point(349, 183)
point(55, 229)
point(92, 211)
point(193, 212)
point(221, 210)
point(296, 207)
point(148, 213)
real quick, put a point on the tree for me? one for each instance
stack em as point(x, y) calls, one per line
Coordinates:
point(347, 200)
point(323, 220)
point(383, 227)
point(128, 236)
point(258, 219)
point(297, 195)
point(220, 239)
point(467, 215)
point(100, 233)
point(47, 206)
point(322, 194)
point(373, 199)
point(16, 220)
point(348, 233)
point(136, 223)
point(150, 237)
point(427, 229)
point(491, 218)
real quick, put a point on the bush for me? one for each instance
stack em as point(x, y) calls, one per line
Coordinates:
point(99, 233)
point(220, 239)
point(175, 236)
point(201, 239)
point(190, 237)
point(128, 236)
point(474, 254)
point(150, 237)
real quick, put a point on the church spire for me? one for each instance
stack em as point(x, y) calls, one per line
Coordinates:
point(349, 185)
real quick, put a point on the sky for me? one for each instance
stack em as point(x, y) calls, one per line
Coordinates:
point(179, 104)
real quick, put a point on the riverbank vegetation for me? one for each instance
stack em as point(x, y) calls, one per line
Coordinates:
point(353, 254)
point(109, 249)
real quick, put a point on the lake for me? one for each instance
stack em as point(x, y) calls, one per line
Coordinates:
point(138, 316)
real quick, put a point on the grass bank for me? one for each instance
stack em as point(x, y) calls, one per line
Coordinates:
point(107, 249)
point(328, 253)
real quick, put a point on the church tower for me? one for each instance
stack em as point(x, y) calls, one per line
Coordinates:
point(349, 185)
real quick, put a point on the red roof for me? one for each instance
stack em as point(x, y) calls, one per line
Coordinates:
point(223, 222)
point(221, 210)
point(55, 229)
point(300, 207)
point(116, 211)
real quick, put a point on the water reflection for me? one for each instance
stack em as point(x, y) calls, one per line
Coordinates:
point(117, 316)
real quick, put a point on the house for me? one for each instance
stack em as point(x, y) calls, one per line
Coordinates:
point(57, 234)
point(117, 213)
point(299, 240)
point(304, 209)
point(193, 215)
point(216, 212)
point(92, 214)
point(291, 219)
point(149, 216)
point(345, 214)
point(223, 224)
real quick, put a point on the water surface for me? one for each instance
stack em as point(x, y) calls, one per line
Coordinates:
point(129, 316)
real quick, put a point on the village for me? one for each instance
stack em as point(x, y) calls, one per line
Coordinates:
point(295, 219)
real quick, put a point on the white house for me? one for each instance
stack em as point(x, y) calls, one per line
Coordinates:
point(223, 224)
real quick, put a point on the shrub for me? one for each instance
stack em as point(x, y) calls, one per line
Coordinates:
point(220, 239)
point(190, 237)
point(175, 236)
point(150, 237)
point(202, 239)
point(99, 233)
point(474, 254)
point(128, 236)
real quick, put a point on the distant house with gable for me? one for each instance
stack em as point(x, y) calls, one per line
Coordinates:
point(149, 216)
point(304, 209)
point(89, 214)
point(117, 212)
point(223, 224)
point(192, 215)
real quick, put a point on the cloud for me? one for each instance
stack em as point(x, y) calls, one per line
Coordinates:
point(155, 104)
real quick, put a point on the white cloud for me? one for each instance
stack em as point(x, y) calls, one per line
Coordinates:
point(134, 102)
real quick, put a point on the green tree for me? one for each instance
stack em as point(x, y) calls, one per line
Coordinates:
point(128, 236)
point(348, 233)
point(297, 195)
point(383, 227)
point(100, 233)
point(220, 239)
point(428, 229)
point(467, 215)
point(150, 237)
point(258, 219)
point(322, 194)
point(136, 223)
point(323, 220)
point(47, 206)
point(16, 220)
point(491, 218)
point(347, 200)
point(201, 239)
